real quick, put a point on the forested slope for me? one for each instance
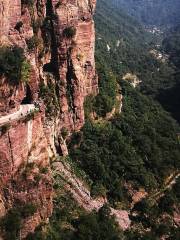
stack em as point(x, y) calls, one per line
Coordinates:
point(123, 46)
point(152, 12)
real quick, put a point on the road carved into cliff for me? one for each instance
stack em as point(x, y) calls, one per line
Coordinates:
point(23, 111)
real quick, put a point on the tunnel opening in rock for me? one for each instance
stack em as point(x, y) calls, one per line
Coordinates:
point(28, 98)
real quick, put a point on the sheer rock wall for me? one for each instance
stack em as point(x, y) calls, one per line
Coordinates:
point(58, 42)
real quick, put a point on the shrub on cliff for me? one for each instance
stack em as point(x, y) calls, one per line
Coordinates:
point(89, 105)
point(48, 94)
point(19, 25)
point(64, 132)
point(69, 32)
point(14, 65)
point(11, 223)
point(28, 2)
point(4, 128)
point(32, 43)
point(25, 71)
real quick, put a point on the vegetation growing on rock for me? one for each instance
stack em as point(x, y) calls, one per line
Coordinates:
point(69, 32)
point(14, 65)
point(124, 149)
point(11, 224)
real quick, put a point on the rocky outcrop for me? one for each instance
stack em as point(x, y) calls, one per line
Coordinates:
point(74, 38)
point(62, 38)
point(57, 38)
point(132, 79)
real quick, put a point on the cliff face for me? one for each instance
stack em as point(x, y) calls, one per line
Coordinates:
point(75, 56)
point(57, 38)
point(25, 173)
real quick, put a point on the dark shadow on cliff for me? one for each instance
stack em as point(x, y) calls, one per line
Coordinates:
point(28, 98)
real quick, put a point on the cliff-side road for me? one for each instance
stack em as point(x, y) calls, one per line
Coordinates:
point(23, 111)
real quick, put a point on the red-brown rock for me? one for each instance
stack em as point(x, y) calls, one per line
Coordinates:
point(30, 142)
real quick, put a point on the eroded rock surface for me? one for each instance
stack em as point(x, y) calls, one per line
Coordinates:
point(58, 43)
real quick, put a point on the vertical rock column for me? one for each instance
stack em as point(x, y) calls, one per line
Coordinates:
point(25, 175)
point(75, 40)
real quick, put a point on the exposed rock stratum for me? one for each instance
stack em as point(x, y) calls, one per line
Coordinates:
point(57, 38)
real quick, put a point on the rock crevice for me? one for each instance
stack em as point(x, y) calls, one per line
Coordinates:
point(58, 48)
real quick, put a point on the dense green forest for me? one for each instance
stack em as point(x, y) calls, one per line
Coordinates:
point(125, 151)
point(130, 49)
point(140, 145)
point(130, 52)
